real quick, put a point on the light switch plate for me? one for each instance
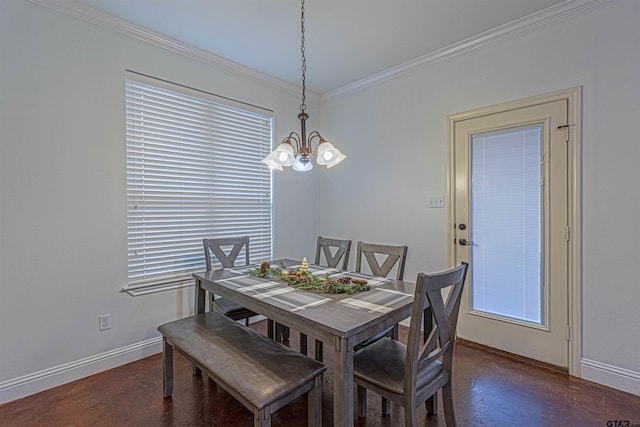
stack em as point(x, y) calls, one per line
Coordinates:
point(436, 201)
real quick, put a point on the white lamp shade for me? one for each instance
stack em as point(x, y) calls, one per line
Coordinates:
point(327, 153)
point(337, 160)
point(271, 162)
point(302, 166)
point(284, 154)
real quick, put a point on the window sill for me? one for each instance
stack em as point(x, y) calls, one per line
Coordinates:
point(139, 290)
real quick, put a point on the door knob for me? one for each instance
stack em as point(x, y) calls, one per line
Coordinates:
point(464, 242)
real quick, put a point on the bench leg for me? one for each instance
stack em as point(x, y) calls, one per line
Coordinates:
point(314, 403)
point(362, 401)
point(167, 368)
point(262, 417)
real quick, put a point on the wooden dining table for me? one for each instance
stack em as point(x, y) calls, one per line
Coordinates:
point(340, 321)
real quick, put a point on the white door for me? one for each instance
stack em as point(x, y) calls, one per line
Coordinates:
point(510, 202)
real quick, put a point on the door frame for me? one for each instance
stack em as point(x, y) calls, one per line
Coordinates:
point(574, 153)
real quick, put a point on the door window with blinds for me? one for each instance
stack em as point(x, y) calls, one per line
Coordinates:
point(194, 171)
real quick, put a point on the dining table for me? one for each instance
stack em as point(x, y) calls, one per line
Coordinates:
point(340, 321)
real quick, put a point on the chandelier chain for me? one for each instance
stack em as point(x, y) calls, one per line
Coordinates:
point(303, 106)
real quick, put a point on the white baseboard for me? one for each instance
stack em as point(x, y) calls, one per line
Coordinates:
point(611, 376)
point(48, 378)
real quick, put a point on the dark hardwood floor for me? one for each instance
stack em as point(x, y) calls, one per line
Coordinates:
point(489, 390)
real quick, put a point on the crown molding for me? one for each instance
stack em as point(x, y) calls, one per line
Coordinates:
point(112, 23)
point(563, 10)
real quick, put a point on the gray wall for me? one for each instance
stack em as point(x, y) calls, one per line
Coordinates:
point(62, 179)
point(399, 131)
point(63, 194)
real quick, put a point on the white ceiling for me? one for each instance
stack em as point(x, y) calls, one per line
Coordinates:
point(346, 40)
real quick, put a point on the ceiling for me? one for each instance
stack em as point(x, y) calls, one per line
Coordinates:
point(346, 40)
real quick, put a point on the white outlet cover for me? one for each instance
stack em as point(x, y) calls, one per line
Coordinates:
point(104, 321)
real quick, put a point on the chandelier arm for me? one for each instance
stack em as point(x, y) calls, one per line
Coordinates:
point(293, 136)
point(312, 135)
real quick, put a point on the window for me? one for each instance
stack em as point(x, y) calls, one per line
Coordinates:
point(193, 171)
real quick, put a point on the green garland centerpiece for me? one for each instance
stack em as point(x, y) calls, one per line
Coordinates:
point(302, 279)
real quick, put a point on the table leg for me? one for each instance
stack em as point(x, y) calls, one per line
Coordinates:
point(200, 295)
point(342, 382)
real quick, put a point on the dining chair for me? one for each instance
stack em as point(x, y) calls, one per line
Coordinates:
point(394, 255)
point(325, 246)
point(227, 259)
point(391, 255)
point(409, 374)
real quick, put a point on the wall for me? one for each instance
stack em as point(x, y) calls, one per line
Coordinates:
point(62, 179)
point(63, 199)
point(395, 135)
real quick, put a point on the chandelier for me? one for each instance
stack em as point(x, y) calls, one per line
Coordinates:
point(295, 150)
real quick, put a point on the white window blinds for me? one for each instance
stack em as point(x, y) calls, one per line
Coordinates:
point(507, 218)
point(194, 171)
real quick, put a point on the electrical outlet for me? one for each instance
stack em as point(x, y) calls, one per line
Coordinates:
point(105, 321)
point(436, 201)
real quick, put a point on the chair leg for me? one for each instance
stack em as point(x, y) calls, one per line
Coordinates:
point(167, 368)
point(279, 332)
point(362, 401)
point(282, 332)
point(447, 405)
point(303, 343)
point(270, 329)
point(386, 406)
point(394, 332)
point(432, 404)
point(319, 350)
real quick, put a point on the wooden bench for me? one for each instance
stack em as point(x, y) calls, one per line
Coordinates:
point(262, 374)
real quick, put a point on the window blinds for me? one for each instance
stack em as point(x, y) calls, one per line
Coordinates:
point(194, 171)
point(507, 217)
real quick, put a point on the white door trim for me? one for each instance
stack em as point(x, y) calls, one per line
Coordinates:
point(574, 102)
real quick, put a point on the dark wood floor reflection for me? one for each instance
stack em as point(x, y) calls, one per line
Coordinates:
point(490, 390)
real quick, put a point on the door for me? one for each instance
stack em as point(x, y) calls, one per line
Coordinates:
point(510, 203)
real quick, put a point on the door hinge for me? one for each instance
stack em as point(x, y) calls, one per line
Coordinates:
point(568, 128)
point(567, 331)
point(567, 233)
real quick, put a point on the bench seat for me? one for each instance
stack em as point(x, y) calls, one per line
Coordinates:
point(259, 372)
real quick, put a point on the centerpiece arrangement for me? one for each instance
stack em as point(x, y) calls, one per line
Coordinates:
point(301, 278)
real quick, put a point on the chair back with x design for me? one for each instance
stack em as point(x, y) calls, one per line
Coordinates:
point(394, 255)
point(342, 249)
point(226, 259)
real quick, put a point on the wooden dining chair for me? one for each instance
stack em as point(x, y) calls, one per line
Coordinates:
point(227, 260)
point(326, 245)
point(392, 256)
point(333, 250)
point(409, 375)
